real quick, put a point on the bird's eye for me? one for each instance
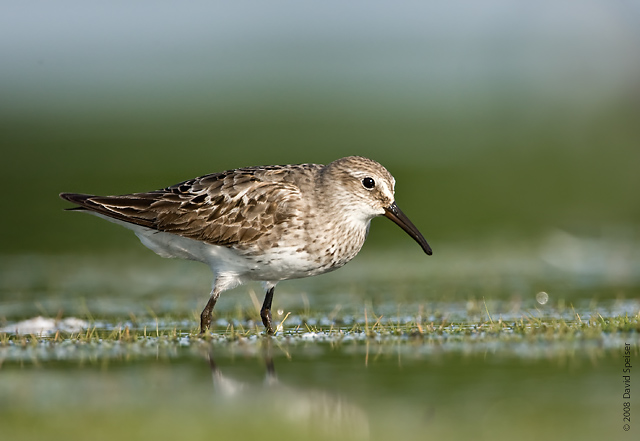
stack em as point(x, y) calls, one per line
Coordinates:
point(368, 183)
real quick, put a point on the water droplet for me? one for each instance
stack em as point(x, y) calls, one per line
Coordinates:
point(280, 311)
point(542, 297)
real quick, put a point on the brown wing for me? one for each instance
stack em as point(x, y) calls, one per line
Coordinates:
point(231, 208)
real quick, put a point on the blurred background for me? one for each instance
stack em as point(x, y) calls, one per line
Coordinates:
point(500, 120)
point(512, 128)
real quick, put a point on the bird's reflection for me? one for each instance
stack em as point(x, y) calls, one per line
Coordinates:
point(320, 412)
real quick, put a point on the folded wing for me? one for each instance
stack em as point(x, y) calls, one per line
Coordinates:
point(232, 208)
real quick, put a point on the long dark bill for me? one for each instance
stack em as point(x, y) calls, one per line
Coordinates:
point(395, 214)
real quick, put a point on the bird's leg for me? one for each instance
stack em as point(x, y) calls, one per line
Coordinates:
point(265, 312)
point(205, 317)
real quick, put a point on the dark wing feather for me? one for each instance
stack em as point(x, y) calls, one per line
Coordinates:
point(127, 208)
point(231, 208)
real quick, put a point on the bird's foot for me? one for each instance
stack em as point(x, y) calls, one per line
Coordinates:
point(266, 321)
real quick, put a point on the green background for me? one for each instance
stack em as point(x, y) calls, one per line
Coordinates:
point(496, 122)
point(512, 129)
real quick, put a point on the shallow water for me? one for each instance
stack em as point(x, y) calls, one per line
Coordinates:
point(313, 390)
point(387, 347)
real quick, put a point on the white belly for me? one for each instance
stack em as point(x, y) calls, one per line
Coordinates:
point(280, 263)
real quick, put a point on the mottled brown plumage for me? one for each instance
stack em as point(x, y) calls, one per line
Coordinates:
point(267, 223)
point(232, 208)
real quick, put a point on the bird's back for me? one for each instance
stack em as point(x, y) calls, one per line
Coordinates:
point(234, 208)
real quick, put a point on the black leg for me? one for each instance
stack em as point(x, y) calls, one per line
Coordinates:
point(265, 312)
point(205, 317)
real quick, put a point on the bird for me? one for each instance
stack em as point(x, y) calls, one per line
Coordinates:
point(260, 223)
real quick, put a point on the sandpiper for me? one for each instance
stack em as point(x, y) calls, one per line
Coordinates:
point(267, 223)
